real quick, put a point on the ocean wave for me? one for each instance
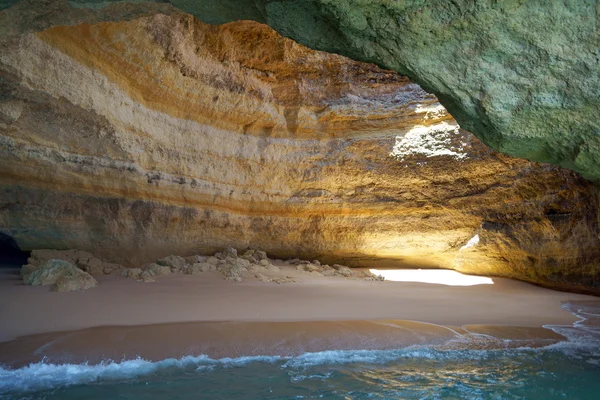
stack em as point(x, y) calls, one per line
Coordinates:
point(42, 375)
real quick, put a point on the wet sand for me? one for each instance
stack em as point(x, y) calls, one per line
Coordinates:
point(204, 314)
point(236, 339)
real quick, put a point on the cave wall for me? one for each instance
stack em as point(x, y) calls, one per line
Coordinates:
point(523, 76)
point(163, 135)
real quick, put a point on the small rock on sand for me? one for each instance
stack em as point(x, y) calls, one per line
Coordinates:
point(212, 260)
point(131, 272)
point(146, 277)
point(284, 279)
point(199, 268)
point(158, 270)
point(230, 252)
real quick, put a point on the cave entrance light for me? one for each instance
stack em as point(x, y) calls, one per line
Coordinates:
point(435, 276)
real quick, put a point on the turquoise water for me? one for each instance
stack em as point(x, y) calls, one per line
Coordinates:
point(568, 370)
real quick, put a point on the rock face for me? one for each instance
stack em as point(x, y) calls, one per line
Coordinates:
point(522, 75)
point(136, 140)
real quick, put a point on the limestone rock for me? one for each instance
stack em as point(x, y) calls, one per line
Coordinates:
point(73, 280)
point(131, 272)
point(230, 252)
point(212, 260)
point(260, 255)
point(175, 263)
point(199, 268)
point(64, 275)
point(328, 272)
point(82, 259)
point(27, 269)
point(519, 75)
point(343, 270)
point(284, 279)
point(195, 259)
point(91, 265)
point(147, 277)
point(157, 270)
point(262, 277)
point(233, 270)
point(251, 259)
point(109, 268)
point(370, 277)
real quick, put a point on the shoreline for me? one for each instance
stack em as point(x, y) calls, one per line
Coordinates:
point(223, 340)
point(181, 315)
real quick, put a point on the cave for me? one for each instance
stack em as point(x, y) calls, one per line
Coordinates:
point(306, 166)
point(10, 253)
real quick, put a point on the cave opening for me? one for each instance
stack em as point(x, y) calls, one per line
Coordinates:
point(11, 254)
point(433, 276)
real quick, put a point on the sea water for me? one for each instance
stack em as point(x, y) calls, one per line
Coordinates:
point(566, 370)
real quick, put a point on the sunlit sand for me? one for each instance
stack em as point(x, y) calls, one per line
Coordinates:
point(437, 276)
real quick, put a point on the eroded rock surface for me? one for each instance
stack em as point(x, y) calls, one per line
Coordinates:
point(62, 274)
point(137, 140)
point(524, 76)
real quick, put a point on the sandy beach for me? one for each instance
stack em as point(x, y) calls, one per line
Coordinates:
point(205, 314)
point(27, 310)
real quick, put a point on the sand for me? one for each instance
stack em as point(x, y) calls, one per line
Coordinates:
point(203, 313)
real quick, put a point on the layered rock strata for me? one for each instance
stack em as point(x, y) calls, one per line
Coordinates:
point(162, 135)
point(524, 76)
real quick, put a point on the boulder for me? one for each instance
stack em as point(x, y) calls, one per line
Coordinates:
point(342, 270)
point(312, 268)
point(157, 270)
point(131, 272)
point(199, 268)
point(109, 268)
point(230, 252)
point(73, 280)
point(284, 279)
point(260, 255)
point(212, 260)
point(232, 271)
point(251, 259)
point(146, 277)
point(173, 262)
point(81, 259)
point(27, 269)
point(91, 265)
point(262, 277)
point(64, 275)
point(191, 260)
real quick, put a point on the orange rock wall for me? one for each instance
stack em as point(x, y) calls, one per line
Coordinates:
point(163, 135)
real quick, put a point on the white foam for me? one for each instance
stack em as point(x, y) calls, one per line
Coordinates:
point(44, 375)
point(583, 337)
